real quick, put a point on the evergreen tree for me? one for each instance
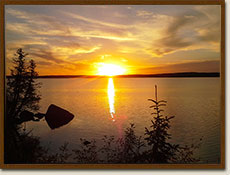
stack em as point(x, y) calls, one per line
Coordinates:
point(21, 96)
point(22, 90)
point(162, 151)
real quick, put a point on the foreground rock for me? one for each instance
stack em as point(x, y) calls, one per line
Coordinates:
point(57, 117)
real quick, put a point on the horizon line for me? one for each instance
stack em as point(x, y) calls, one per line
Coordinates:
point(177, 74)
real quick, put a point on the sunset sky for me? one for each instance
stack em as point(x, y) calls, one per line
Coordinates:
point(77, 39)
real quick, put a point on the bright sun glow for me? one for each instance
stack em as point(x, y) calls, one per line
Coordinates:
point(110, 69)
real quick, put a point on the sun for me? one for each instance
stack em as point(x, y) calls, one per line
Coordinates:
point(110, 69)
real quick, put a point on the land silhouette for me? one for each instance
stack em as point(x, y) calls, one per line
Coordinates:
point(163, 75)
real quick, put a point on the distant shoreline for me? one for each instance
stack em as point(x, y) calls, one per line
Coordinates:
point(164, 75)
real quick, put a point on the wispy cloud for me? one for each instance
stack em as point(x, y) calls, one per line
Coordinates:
point(194, 30)
point(94, 21)
point(195, 66)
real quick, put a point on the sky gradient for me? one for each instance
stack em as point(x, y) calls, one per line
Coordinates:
point(75, 40)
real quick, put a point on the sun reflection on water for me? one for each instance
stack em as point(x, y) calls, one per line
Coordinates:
point(111, 95)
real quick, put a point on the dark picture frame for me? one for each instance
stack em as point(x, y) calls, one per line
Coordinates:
point(3, 165)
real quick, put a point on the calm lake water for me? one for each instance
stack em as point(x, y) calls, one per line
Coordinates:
point(106, 107)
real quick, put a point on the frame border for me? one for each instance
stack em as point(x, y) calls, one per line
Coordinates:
point(111, 2)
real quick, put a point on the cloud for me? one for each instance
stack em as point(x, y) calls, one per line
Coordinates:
point(63, 69)
point(66, 52)
point(39, 21)
point(43, 25)
point(190, 30)
point(44, 63)
point(59, 66)
point(91, 28)
point(94, 21)
point(144, 14)
point(101, 36)
point(197, 66)
point(47, 55)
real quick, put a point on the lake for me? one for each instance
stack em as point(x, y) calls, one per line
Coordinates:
point(106, 106)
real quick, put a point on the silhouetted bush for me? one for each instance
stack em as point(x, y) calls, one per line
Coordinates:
point(87, 153)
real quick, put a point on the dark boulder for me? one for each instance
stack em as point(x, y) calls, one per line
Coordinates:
point(57, 117)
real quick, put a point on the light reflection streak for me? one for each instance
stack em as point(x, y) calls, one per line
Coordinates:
point(111, 95)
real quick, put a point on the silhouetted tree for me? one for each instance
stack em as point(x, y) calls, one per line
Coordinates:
point(22, 97)
point(162, 151)
point(22, 90)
